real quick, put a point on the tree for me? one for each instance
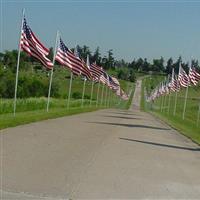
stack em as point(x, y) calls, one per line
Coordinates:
point(169, 66)
point(110, 59)
point(84, 52)
point(132, 76)
point(138, 64)
point(158, 65)
point(96, 56)
point(176, 65)
point(146, 66)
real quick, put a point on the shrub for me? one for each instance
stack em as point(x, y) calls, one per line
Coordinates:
point(76, 95)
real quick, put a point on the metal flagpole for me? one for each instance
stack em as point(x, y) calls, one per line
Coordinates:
point(174, 113)
point(186, 96)
point(83, 92)
point(91, 93)
point(112, 99)
point(169, 102)
point(161, 102)
point(176, 92)
point(169, 82)
point(109, 97)
point(106, 96)
point(51, 77)
point(102, 94)
point(198, 115)
point(185, 102)
point(164, 102)
point(70, 88)
point(18, 58)
point(98, 94)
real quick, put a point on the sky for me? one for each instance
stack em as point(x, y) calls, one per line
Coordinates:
point(133, 29)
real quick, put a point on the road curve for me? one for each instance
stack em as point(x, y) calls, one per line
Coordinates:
point(100, 155)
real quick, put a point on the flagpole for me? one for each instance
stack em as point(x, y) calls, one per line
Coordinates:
point(113, 99)
point(91, 93)
point(198, 115)
point(102, 94)
point(106, 96)
point(164, 104)
point(176, 90)
point(51, 77)
point(169, 102)
point(175, 103)
point(98, 93)
point(70, 88)
point(186, 95)
point(161, 102)
point(18, 58)
point(83, 93)
point(109, 96)
point(185, 103)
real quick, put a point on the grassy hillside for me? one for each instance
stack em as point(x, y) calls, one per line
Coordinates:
point(164, 106)
point(34, 108)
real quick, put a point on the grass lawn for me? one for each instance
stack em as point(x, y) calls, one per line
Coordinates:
point(190, 126)
point(34, 109)
point(8, 120)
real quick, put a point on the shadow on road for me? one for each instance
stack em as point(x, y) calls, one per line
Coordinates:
point(124, 113)
point(131, 125)
point(120, 117)
point(162, 145)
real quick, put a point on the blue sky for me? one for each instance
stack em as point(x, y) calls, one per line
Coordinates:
point(133, 29)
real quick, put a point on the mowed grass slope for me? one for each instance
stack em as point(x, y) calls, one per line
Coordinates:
point(34, 109)
point(190, 126)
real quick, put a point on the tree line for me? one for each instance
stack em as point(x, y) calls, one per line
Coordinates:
point(108, 62)
point(33, 79)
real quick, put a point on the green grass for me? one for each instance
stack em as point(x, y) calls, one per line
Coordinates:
point(62, 78)
point(34, 109)
point(187, 128)
point(190, 127)
point(8, 120)
point(31, 104)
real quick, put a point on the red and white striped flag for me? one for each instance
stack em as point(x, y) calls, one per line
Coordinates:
point(96, 71)
point(183, 78)
point(174, 84)
point(31, 45)
point(104, 78)
point(67, 58)
point(194, 76)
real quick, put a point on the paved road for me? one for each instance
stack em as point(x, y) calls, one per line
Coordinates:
point(104, 154)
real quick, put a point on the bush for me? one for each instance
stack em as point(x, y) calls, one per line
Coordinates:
point(86, 96)
point(76, 95)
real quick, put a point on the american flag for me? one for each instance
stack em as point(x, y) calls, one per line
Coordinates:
point(161, 89)
point(30, 44)
point(96, 71)
point(113, 84)
point(183, 78)
point(194, 76)
point(115, 80)
point(166, 88)
point(104, 78)
point(67, 58)
point(123, 95)
point(174, 84)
